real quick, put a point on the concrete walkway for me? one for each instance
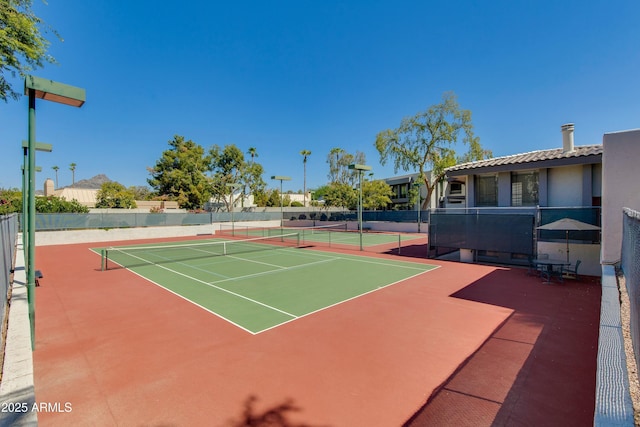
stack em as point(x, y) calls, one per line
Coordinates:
point(17, 394)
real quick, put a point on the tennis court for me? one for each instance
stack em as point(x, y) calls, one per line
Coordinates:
point(125, 351)
point(259, 283)
point(332, 235)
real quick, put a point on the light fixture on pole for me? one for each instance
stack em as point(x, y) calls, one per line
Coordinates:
point(281, 178)
point(233, 186)
point(360, 169)
point(36, 87)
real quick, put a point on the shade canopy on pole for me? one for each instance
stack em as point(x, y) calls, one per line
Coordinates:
point(566, 225)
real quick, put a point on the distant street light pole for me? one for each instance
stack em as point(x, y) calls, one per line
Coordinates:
point(281, 178)
point(36, 87)
point(233, 186)
point(360, 169)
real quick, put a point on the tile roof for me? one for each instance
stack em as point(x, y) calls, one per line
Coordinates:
point(531, 157)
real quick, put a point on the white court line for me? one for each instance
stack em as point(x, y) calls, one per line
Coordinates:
point(195, 303)
point(369, 260)
point(341, 302)
point(256, 262)
point(194, 267)
point(297, 253)
point(264, 273)
point(222, 289)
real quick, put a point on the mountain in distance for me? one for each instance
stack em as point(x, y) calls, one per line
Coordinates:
point(92, 183)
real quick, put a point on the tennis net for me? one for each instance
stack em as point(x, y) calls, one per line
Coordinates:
point(133, 256)
point(243, 230)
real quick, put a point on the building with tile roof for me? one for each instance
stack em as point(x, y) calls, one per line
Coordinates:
point(504, 199)
point(562, 177)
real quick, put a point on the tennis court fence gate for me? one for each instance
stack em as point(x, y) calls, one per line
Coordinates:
point(630, 265)
point(8, 234)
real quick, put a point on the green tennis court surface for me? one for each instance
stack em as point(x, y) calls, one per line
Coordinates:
point(326, 235)
point(258, 284)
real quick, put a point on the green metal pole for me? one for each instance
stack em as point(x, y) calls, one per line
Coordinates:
point(31, 220)
point(419, 207)
point(233, 227)
point(281, 208)
point(360, 207)
point(25, 202)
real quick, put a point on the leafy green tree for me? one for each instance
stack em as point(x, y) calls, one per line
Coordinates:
point(115, 195)
point(228, 166)
point(376, 194)
point(339, 161)
point(428, 139)
point(273, 198)
point(334, 159)
point(340, 195)
point(10, 201)
point(252, 178)
point(261, 197)
point(180, 174)
point(54, 204)
point(319, 192)
point(22, 46)
point(141, 192)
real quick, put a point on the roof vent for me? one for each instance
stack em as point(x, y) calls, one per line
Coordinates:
point(567, 137)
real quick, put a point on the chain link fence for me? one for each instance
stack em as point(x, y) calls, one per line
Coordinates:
point(76, 221)
point(630, 265)
point(8, 234)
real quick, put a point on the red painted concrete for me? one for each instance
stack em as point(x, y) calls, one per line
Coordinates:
point(123, 351)
point(537, 369)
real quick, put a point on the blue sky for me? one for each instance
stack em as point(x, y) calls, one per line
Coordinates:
point(284, 76)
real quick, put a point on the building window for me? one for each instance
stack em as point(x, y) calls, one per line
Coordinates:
point(455, 188)
point(486, 190)
point(524, 188)
point(402, 193)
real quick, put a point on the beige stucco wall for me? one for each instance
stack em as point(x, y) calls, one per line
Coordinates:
point(565, 186)
point(620, 177)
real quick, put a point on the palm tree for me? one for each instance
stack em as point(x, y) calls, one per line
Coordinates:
point(72, 167)
point(305, 154)
point(253, 153)
point(56, 168)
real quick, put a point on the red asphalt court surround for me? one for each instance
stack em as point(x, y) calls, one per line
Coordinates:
point(123, 351)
